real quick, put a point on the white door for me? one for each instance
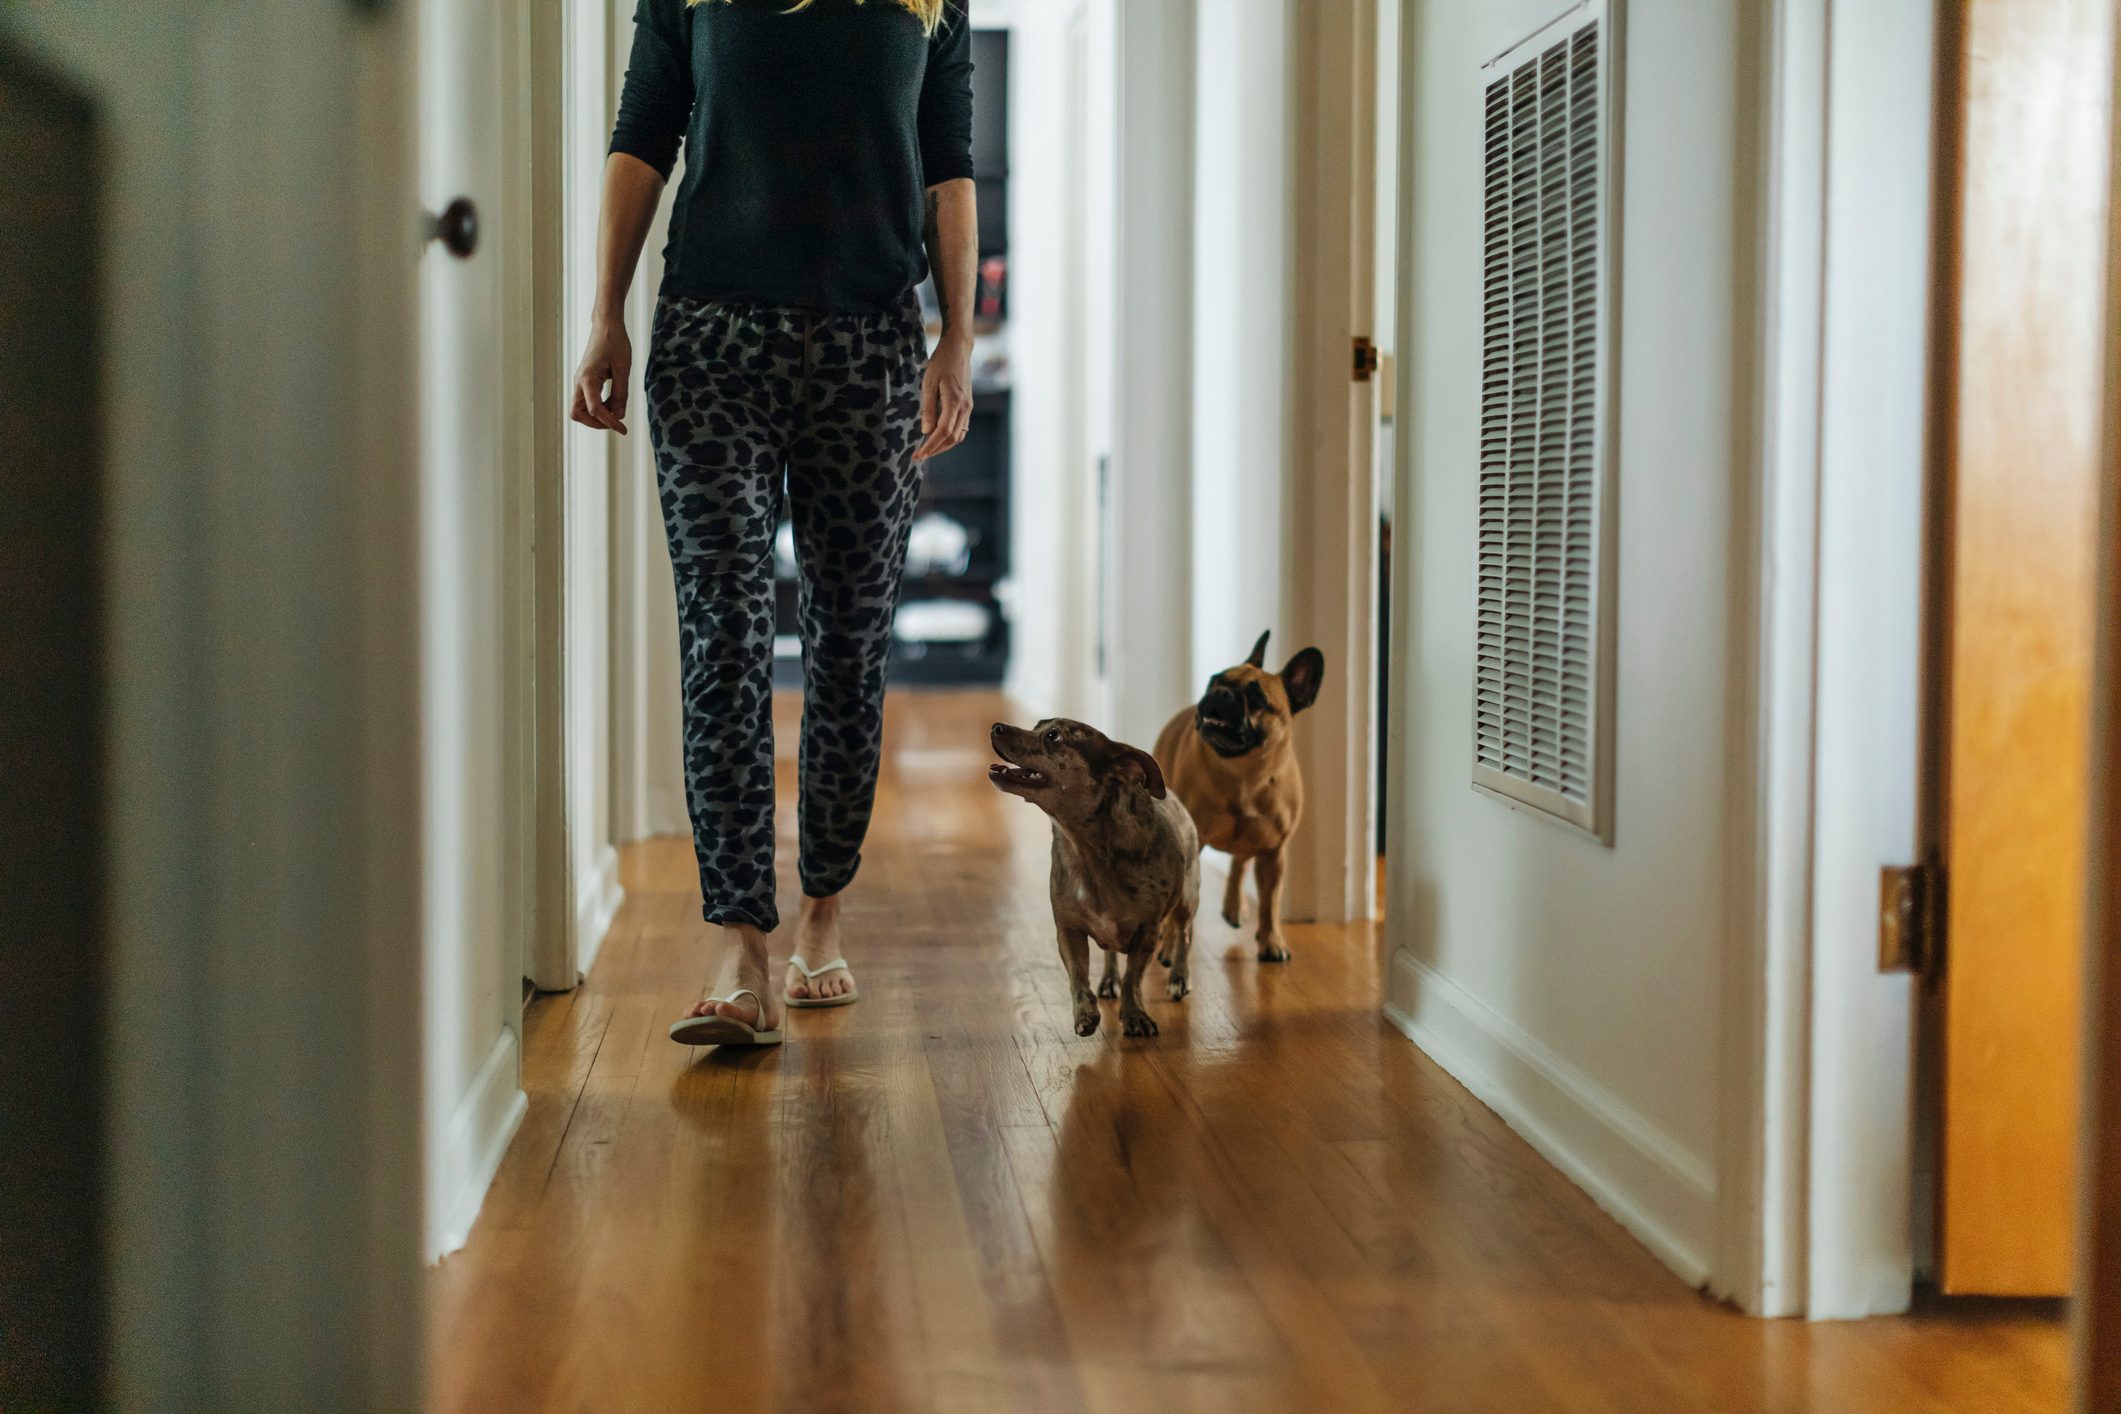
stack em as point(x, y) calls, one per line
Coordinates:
point(473, 913)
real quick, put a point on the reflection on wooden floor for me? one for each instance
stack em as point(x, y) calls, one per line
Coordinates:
point(941, 1198)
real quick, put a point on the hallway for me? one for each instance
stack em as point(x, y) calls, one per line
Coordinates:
point(940, 1198)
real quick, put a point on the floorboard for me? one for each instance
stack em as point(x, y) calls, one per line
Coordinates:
point(940, 1198)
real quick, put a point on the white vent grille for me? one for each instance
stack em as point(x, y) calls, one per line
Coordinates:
point(1540, 715)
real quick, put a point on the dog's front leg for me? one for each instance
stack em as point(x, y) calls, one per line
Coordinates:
point(1234, 891)
point(1178, 941)
point(1075, 957)
point(1108, 983)
point(1134, 1018)
point(1271, 948)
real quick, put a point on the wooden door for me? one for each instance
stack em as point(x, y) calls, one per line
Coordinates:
point(2033, 85)
point(2098, 1304)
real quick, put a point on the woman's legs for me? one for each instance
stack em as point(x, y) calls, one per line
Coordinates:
point(722, 385)
point(852, 490)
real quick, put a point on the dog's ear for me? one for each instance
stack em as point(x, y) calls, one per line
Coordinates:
point(1133, 763)
point(1301, 678)
point(1259, 651)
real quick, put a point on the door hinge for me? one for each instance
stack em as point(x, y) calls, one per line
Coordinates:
point(1365, 358)
point(1911, 918)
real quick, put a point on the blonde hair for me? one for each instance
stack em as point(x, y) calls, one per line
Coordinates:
point(928, 12)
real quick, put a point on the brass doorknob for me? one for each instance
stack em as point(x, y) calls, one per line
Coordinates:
point(457, 228)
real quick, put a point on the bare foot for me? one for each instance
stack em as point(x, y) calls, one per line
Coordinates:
point(817, 942)
point(743, 969)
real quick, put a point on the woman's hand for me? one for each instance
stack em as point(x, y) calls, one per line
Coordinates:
point(946, 397)
point(608, 360)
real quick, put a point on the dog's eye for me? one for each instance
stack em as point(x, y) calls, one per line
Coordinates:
point(1255, 699)
point(1053, 737)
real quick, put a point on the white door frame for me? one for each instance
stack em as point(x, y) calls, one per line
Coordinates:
point(575, 58)
point(519, 250)
point(550, 959)
point(1817, 1153)
point(1329, 508)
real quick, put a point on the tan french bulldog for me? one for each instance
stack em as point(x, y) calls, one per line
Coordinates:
point(1231, 759)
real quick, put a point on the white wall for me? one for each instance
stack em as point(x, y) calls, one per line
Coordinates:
point(1240, 274)
point(1576, 987)
point(1147, 574)
point(1053, 499)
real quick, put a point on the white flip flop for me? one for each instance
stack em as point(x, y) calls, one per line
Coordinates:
point(715, 1030)
point(852, 994)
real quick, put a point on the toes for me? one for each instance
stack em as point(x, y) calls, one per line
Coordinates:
point(1139, 1024)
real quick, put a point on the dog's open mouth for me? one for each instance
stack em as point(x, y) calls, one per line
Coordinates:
point(1016, 777)
point(1225, 728)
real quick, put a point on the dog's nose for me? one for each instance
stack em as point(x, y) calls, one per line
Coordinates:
point(995, 730)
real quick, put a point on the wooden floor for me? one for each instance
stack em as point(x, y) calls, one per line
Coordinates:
point(941, 1198)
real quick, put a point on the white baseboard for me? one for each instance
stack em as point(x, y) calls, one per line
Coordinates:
point(1655, 1189)
point(472, 1146)
point(601, 896)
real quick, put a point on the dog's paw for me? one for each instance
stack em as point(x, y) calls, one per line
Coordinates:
point(1271, 950)
point(1235, 917)
point(1138, 1023)
point(1179, 987)
point(1107, 987)
point(1086, 1017)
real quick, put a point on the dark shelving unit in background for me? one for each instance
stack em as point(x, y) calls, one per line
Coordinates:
point(970, 483)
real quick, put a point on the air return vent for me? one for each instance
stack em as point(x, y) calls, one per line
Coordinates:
point(1542, 679)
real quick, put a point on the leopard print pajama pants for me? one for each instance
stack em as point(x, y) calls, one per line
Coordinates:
point(738, 396)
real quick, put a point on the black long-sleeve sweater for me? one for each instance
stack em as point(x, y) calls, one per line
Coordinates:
point(809, 139)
